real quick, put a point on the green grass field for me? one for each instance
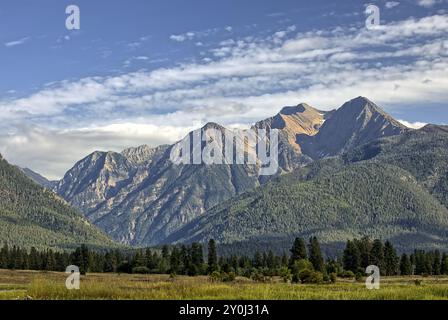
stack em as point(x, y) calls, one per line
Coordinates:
point(51, 285)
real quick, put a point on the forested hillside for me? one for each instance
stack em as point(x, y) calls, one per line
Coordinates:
point(33, 216)
point(394, 188)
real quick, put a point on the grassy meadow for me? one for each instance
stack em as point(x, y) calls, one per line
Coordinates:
point(51, 285)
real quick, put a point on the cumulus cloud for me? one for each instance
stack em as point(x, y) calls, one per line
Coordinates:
point(238, 82)
point(50, 151)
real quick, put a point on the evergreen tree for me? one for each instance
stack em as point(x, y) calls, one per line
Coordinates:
point(352, 257)
point(258, 260)
point(165, 252)
point(444, 266)
point(175, 263)
point(390, 259)
point(270, 261)
point(365, 248)
point(298, 251)
point(315, 254)
point(437, 264)
point(197, 255)
point(212, 258)
point(405, 265)
point(110, 262)
point(377, 255)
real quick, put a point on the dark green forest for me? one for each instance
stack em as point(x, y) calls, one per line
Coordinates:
point(304, 262)
point(33, 216)
point(392, 188)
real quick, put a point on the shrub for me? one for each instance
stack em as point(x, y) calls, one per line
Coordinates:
point(140, 270)
point(348, 274)
point(258, 276)
point(228, 277)
point(333, 277)
point(310, 276)
point(285, 274)
point(302, 264)
point(215, 276)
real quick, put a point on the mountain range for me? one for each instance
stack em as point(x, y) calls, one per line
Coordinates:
point(343, 173)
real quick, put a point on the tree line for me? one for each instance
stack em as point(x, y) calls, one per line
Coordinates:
point(304, 263)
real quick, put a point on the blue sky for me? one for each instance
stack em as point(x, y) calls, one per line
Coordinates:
point(147, 72)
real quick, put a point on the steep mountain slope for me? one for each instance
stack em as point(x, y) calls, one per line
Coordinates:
point(423, 153)
point(140, 197)
point(292, 122)
point(33, 216)
point(335, 204)
point(39, 179)
point(141, 202)
point(357, 122)
point(394, 188)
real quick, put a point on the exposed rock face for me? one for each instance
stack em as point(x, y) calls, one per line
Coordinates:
point(140, 197)
point(357, 122)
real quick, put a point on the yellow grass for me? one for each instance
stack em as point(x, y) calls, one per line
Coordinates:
point(51, 285)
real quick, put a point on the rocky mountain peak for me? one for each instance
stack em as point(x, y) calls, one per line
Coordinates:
point(213, 125)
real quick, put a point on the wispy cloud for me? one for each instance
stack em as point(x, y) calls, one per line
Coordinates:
point(392, 4)
point(191, 35)
point(16, 42)
point(427, 3)
point(183, 37)
point(241, 81)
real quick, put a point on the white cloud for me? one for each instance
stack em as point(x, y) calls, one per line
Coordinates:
point(427, 3)
point(16, 42)
point(51, 151)
point(183, 37)
point(178, 38)
point(392, 4)
point(413, 125)
point(238, 82)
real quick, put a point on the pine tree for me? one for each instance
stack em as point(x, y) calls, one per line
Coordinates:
point(377, 255)
point(258, 260)
point(390, 259)
point(175, 263)
point(365, 248)
point(197, 254)
point(405, 265)
point(298, 251)
point(352, 257)
point(110, 262)
point(270, 261)
point(437, 265)
point(444, 267)
point(315, 254)
point(212, 258)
